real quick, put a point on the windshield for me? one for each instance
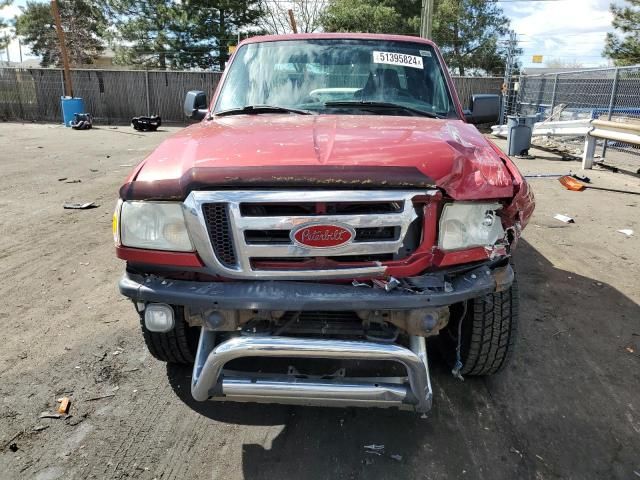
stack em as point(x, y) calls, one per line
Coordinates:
point(338, 76)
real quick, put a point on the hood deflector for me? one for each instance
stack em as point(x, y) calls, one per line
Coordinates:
point(302, 176)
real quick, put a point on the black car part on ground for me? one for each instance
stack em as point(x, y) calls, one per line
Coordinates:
point(146, 124)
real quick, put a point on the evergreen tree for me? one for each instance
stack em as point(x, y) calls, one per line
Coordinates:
point(467, 31)
point(82, 21)
point(625, 49)
point(169, 34)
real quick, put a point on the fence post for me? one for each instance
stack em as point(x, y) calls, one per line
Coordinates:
point(612, 101)
point(62, 81)
point(554, 94)
point(146, 83)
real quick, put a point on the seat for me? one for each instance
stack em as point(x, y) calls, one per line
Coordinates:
point(381, 81)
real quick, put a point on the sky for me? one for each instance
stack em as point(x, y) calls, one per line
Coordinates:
point(570, 31)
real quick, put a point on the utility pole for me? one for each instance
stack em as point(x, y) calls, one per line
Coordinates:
point(292, 19)
point(7, 41)
point(20, 49)
point(63, 49)
point(508, 73)
point(426, 20)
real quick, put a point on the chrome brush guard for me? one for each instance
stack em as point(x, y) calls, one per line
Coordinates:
point(211, 381)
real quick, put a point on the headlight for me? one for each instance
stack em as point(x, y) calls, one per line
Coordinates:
point(154, 225)
point(469, 224)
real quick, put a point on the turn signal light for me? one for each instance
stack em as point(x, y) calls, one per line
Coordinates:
point(571, 183)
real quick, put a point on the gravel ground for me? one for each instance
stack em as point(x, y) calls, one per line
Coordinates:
point(568, 407)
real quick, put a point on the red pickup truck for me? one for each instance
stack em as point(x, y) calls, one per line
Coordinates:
point(333, 209)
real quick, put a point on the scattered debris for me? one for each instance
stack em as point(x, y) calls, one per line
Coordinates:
point(582, 179)
point(627, 231)
point(374, 449)
point(62, 179)
point(544, 175)
point(396, 457)
point(101, 397)
point(146, 124)
point(94, 170)
point(80, 206)
point(606, 166)
point(516, 451)
point(630, 349)
point(126, 165)
point(50, 415)
point(559, 332)
point(63, 408)
point(570, 183)
point(564, 218)
point(11, 442)
point(356, 283)
point(117, 352)
point(637, 474)
point(39, 428)
point(73, 181)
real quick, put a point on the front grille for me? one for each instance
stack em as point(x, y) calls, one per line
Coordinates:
point(282, 237)
point(217, 220)
point(247, 233)
point(319, 208)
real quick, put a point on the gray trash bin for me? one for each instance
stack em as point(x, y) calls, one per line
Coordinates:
point(519, 131)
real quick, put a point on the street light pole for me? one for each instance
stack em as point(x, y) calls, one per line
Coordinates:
point(63, 49)
point(426, 21)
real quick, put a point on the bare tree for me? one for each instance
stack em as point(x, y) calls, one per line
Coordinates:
point(306, 12)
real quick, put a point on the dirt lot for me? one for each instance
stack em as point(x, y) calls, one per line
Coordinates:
point(568, 406)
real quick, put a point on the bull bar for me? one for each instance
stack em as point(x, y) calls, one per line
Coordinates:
point(211, 381)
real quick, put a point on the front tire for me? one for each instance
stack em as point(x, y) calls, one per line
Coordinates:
point(177, 346)
point(489, 330)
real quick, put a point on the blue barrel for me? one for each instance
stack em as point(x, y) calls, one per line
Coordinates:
point(70, 106)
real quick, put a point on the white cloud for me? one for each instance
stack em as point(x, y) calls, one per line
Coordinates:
point(568, 30)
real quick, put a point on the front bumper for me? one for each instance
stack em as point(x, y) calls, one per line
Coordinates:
point(211, 378)
point(307, 296)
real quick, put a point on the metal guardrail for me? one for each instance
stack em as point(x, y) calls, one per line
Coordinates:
point(606, 130)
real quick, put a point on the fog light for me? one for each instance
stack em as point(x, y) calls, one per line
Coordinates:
point(158, 317)
point(429, 322)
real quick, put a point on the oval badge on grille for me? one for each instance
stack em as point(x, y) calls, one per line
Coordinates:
point(323, 235)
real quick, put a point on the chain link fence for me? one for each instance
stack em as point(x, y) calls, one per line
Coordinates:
point(115, 96)
point(605, 94)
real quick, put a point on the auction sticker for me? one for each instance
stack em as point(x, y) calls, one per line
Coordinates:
point(401, 59)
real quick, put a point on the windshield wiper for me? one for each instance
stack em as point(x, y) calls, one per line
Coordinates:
point(255, 109)
point(381, 105)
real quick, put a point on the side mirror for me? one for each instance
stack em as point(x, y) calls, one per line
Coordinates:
point(484, 108)
point(195, 105)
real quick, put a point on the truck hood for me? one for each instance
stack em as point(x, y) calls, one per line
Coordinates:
point(341, 151)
